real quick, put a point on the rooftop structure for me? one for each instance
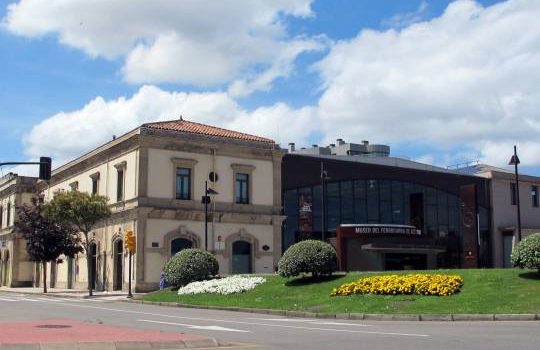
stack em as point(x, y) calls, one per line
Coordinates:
point(342, 148)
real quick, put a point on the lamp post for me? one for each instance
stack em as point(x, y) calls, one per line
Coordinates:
point(206, 200)
point(515, 161)
point(324, 177)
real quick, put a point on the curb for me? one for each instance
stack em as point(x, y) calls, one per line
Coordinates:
point(69, 295)
point(130, 345)
point(355, 316)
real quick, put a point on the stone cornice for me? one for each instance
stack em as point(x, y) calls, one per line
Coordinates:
point(225, 207)
point(200, 144)
point(93, 159)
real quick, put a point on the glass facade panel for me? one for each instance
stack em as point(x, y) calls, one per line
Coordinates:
point(333, 212)
point(372, 195)
point(347, 204)
point(360, 208)
point(397, 203)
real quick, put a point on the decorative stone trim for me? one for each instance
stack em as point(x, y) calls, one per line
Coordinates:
point(95, 176)
point(74, 185)
point(120, 166)
point(180, 232)
point(242, 235)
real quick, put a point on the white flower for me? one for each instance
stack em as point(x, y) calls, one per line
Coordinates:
point(228, 285)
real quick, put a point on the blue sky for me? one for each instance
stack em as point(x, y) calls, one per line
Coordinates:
point(439, 81)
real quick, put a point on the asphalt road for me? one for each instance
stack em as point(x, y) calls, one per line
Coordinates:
point(274, 332)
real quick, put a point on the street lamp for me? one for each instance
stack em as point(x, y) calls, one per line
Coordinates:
point(324, 177)
point(515, 161)
point(206, 201)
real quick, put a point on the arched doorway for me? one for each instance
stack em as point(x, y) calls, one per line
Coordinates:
point(118, 251)
point(93, 264)
point(179, 244)
point(241, 257)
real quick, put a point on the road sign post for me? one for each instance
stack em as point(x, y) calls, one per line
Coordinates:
point(131, 246)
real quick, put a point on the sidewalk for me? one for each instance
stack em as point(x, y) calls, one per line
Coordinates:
point(69, 293)
point(75, 335)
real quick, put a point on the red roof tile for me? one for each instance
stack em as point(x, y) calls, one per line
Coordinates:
point(203, 129)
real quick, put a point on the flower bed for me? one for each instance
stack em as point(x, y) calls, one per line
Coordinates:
point(422, 284)
point(228, 285)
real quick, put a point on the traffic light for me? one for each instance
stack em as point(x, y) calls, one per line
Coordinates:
point(129, 242)
point(45, 168)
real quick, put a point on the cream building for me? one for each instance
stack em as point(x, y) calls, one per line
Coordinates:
point(15, 268)
point(504, 210)
point(154, 177)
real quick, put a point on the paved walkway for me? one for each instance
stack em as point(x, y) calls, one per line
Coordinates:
point(68, 293)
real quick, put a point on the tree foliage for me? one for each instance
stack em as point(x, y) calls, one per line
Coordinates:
point(81, 211)
point(527, 253)
point(307, 256)
point(190, 265)
point(46, 239)
point(78, 209)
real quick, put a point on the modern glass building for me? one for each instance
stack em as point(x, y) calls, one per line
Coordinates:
point(447, 210)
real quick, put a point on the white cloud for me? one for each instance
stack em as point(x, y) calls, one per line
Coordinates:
point(67, 135)
point(401, 20)
point(467, 79)
point(189, 41)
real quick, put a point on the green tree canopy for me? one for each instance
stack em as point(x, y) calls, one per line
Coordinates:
point(81, 211)
point(46, 239)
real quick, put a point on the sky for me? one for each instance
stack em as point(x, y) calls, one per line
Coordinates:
point(442, 82)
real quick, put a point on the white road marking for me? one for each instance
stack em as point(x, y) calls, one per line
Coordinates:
point(341, 324)
point(279, 319)
point(211, 328)
point(6, 299)
point(310, 321)
point(241, 322)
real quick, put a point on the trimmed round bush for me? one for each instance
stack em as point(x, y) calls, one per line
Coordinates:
point(190, 265)
point(309, 256)
point(527, 253)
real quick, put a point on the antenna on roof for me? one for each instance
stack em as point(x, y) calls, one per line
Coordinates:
point(181, 118)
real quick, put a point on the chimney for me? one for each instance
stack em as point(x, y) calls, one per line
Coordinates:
point(365, 142)
point(291, 147)
point(315, 146)
point(340, 142)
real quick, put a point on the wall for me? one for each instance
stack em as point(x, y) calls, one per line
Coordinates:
point(161, 176)
point(504, 214)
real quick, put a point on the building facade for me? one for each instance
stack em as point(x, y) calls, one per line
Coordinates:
point(15, 268)
point(155, 178)
point(386, 213)
point(503, 203)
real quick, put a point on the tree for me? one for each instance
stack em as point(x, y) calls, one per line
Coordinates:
point(81, 211)
point(46, 239)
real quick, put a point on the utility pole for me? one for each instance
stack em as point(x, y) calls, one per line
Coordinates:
point(515, 161)
point(323, 202)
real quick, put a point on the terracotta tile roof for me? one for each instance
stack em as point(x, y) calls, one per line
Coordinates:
point(203, 129)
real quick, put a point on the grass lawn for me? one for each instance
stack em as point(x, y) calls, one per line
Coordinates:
point(484, 291)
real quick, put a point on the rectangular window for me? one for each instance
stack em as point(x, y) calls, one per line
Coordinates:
point(242, 188)
point(95, 185)
point(183, 183)
point(1, 216)
point(120, 185)
point(513, 194)
point(534, 195)
point(8, 215)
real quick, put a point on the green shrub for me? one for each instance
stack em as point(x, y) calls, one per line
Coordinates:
point(190, 265)
point(527, 253)
point(313, 256)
